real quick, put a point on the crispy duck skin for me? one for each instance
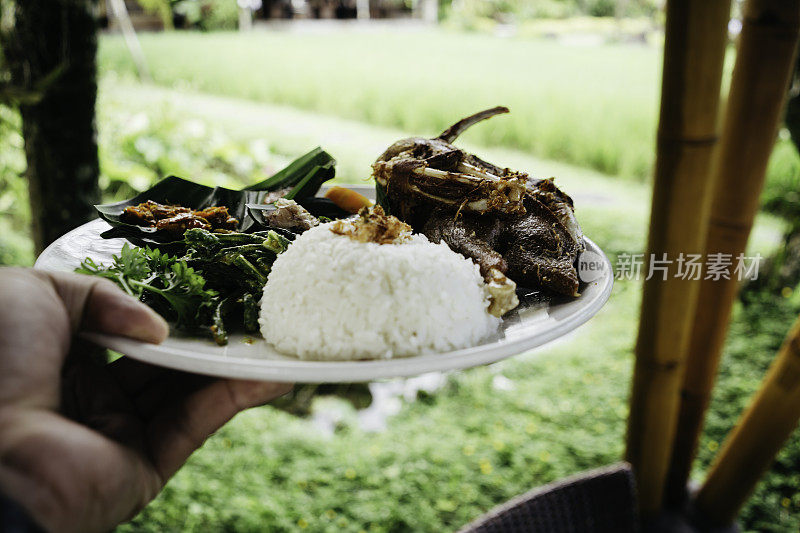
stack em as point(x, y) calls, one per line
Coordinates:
point(508, 223)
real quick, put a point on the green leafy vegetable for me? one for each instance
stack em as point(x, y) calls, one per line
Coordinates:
point(251, 311)
point(217, 281)
point(142, 271)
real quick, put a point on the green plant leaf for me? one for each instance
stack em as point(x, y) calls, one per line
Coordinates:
point(296, 171)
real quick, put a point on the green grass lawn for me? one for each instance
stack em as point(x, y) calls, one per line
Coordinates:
point(591, 106)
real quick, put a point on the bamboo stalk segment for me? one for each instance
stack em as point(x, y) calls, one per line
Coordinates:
point(696, 36)
point(761, 76)
point(758, 436)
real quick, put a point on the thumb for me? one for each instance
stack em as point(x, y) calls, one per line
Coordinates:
point(96, 304)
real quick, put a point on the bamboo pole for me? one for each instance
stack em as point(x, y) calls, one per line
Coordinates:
point(694, 51)
point(761, 76)
point(758, 436)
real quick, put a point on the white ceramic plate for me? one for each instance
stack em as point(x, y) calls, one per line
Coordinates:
point(250, 357)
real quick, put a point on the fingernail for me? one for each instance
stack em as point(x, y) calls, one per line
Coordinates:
point(148, 325)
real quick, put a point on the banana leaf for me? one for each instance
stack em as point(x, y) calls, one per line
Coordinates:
point(304, 168)
point(304, 176)
point(176, 191)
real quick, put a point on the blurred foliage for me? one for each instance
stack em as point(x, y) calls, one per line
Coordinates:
point(469, 13)
point(162, 8)
point(756, 333)
point(136, 148)
point(781, 194)
point(16, 247)
point(219, 15)
point(6, 28)
point(208, 15)
point(603, 29)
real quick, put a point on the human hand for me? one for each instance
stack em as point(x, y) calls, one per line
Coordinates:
point(85, 445)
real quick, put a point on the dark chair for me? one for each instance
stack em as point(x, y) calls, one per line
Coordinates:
point(602, 500)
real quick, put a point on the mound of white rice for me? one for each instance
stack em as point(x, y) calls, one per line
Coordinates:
point(330, 297)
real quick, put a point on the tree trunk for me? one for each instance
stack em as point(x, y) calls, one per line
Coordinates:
point(52, 53)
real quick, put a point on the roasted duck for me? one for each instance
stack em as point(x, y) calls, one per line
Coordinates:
point(509, 223)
